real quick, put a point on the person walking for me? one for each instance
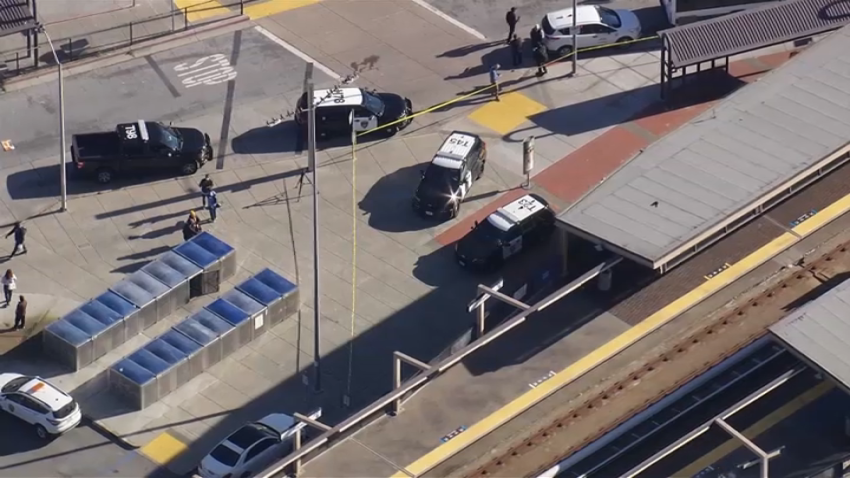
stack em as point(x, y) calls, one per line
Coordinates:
point(516, 50)
point(213, 205)
point(20, 234)
point(206, 186)
point(494, 80)
point(21, 313)
point(10, 283)
point(511, 18)
point(541, 57)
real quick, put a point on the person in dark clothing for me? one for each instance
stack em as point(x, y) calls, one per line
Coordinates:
point(516, 50)
point(20, 234)
point(541, 57)
point(213, 205)
point(206, 186)
point(512, 19)
point(536, 36)
point(192, 226)
point(21, 313)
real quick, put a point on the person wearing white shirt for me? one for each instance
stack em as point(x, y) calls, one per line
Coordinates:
point(9, 282)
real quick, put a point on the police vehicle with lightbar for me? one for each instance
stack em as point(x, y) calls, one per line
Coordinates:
point(339, 110)
point(510, 230)
point(449, 176)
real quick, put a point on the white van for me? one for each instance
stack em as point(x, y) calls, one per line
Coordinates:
point(596, 26)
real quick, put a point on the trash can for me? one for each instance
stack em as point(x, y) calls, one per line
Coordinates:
point(217, 337)
point(245, 314)
point(215, 257)
point(134, 383)
point(274, 291)
point(67, 344)
point(143, 294)
point(190, 348)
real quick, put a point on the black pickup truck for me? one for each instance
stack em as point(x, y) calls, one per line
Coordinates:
point(139, 148)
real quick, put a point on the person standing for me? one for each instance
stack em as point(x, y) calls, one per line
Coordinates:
point(541, 57)
point(494, 79)
point(21, 313)
point(20, 234)
point(206, 186)
point(192, 226)
point(511, 18)
point(536, 36)
point(10, 283)
point(213, 205)
point(516, 50)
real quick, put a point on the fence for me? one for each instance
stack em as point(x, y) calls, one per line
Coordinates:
point(92, 44)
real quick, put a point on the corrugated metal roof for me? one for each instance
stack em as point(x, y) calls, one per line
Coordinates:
point(753, 29)
point(720, 163)
point(820, 332)
point(15, 16)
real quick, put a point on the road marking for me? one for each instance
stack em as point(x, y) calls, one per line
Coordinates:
point(201, 9)
point(757, 428)
point(626, 339)
point(450, 19)
point(164, 448)
point(259, 10)
point(220, 71)
point(506, 115)
point(295, 51)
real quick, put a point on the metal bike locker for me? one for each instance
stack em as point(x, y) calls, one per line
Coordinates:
point(182, 265)
point(67, 344)
point(218, 338)
point(216, 258)
point(178, 365)
point(112, 334)
point(134, 383)
point(191, 349)
point(177, 283)
point(155, 365)
point(274, 291)
point(143, 293)
point(243, 313)
point(122, 307)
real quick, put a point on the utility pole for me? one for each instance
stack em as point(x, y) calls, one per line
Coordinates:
point(311, 164)
point(574, 32)
point(62, 158)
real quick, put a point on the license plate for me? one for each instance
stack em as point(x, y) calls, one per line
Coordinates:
point(429, 213)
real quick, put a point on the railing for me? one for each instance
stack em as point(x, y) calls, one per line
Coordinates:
point(27, 59)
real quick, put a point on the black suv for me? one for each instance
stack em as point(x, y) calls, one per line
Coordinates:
point(338, 110)
point(449, 176)
point(139, 148)
point(511, 229)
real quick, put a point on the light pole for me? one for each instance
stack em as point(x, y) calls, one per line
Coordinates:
point(575, 34)
point(311, 163)
point(62, 158)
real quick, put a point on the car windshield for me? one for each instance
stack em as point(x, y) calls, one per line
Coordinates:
point(250, 434)
point(609, 17)
point(15, 384)
point(373, 104)
point(162, 134)
point(438, 177)
point(225, 455)
point(486, 232)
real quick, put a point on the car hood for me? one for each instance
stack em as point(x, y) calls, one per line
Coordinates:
point(395, 106)
point(193, 140)
point(472, 248)
point(630, 21)
point(436, 197)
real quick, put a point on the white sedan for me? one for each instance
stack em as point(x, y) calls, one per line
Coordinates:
point(253, 447)
point(37, 402)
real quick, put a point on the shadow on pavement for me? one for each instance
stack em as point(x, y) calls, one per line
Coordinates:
point(388, 202)
point(282, 138)
point(469, 49)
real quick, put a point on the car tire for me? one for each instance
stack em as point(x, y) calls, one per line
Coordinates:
point(625, 42)
point(104, 175)
point(393, 130)
point(564, 51)
point(42, 432)
point(189, 169)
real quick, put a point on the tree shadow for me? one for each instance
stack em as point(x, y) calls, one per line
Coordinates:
point(388, 202)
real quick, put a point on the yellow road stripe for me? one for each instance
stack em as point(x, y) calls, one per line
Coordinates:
point(626, 339)
point(272, 7)
point(164, 448)
point(757, 428)
point(196, 10)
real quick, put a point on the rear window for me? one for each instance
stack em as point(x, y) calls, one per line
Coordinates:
point(225, 455)
point(547, 27)
point(65, 411)
point(609, 17)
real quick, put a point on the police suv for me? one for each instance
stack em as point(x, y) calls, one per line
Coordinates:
point(338, 110)
point(511, 229)
point(448, 178)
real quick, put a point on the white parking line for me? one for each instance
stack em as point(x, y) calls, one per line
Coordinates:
point(295, 51)
point(452, 20)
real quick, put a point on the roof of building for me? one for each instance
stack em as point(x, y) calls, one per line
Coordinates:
point(15, 17)
point(752, 29)
point(726, 162)
point(820, 332)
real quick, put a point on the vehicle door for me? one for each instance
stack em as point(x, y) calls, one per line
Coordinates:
point(331, 120)
point(25, 408)
point(465, 179)
point(135, 157)
point(597, 34)
point(256, 457)
point(364, 120)
point(512, 242)
point(162, 157)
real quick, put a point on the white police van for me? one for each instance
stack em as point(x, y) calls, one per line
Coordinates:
point(338, 110)
point(449, 176)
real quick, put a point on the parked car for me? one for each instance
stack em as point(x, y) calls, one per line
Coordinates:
point(338, 110)
point(253, 447)
point(596, 25)
point(446, 182)
point(510, 230)
point(34, 400)
point(139, 148)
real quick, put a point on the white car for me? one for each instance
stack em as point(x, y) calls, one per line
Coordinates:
point(596, 26)
point(253, 447)
point(37, 402)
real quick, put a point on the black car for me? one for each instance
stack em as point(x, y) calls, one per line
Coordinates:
point(449, 176)
point(139, 148)
point(513, 228)
point(338, 110)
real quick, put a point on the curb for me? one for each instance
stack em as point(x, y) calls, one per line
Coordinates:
point(140, 50)
point(94, 425)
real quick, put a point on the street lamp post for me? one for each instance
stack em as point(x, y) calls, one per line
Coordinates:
point(62, 157)
point(574, 35)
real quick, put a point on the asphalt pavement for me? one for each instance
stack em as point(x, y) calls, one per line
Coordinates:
point(81, 453)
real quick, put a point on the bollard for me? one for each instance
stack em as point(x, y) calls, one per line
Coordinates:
point(172, 17)
point(242, 7)
point(17, 62)
point(186, 18)
point(70, 50)
point(131, 33)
